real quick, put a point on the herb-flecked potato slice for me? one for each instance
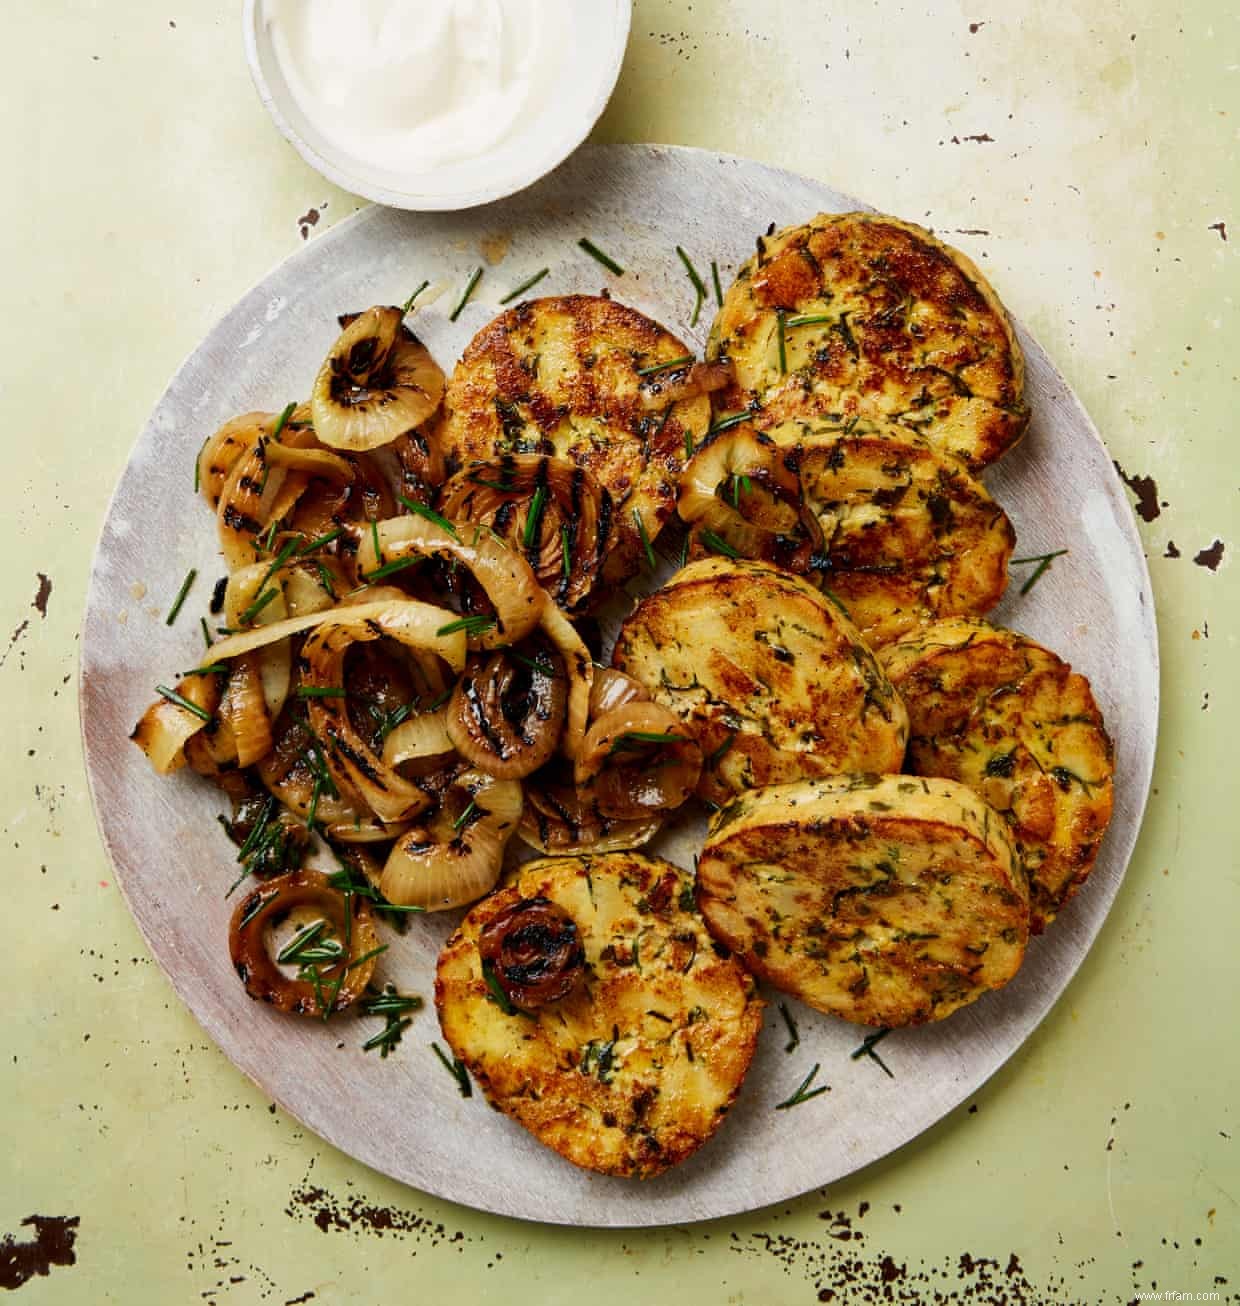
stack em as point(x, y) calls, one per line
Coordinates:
point(860, 314)
point(561, 376)
point(771, 677)
point(890, 900)
point(637, 1066)
point(1012, 720)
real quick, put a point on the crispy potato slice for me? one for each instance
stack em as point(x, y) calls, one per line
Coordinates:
point(1012, 720)
point(767, 672)
point(890, 900)
point(879, 319)
point(636, 1068)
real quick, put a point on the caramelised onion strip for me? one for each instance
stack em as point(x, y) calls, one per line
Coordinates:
point(418, 625)
point(579, 668)
point(340, 983)
point(739, 491)
point(350, 759)
point(246, 504)
point(457, 856)
point(637, 759)
point(506, 578)
point(559, 818)
point(689, 381)
point(612, 689)
point(421, 736)
point(255, 595)
point(550, 510)
point(221, 451)
point(244, 710)
point(506, 715)
point(534, 951)
point(165, 727)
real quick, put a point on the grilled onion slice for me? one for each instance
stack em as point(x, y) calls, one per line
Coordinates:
point(165, 727)
point(638, 759)
point(551, 510)
point(534, 951)
point(456, 857)
point(507, 711)
point(340, 984)
point(378, 382)
point(559, 818)
point(670, 385)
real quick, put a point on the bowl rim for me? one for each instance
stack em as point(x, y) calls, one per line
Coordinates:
point(620, 13)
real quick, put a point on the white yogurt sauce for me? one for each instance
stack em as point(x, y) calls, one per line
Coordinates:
point(411, 85)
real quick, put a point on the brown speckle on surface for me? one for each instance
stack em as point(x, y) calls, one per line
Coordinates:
point(1171, 551)
point(974, 28)
point(54, 1236)
point(980, 137)
point(42, 595)
point(1220, 227)
point(1146, 489)
point(353, 1214)
point(1211, 557)
point(309, 220)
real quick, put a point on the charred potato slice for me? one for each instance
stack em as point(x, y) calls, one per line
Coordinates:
point(1013, 721)
point(887, 900)
point(637, 1066)
point(769, 674)
point(878, 319)
point(559, 376)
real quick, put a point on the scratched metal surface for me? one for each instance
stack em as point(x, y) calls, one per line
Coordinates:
point(175, 866)
point(1089, 164)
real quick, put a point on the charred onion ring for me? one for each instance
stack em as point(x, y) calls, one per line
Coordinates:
point(559, 818)
point(262, 977)
point(507, 711)
point(456, 857)
point(551, 510)
point(534, 951)
point(638, 759)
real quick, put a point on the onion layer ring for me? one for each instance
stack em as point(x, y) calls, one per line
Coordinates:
point(534, 950)
point(638, 759)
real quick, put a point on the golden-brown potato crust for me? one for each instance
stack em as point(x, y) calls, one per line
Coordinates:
point(560, 376)
point(1012, 720)
point(636, 1068)
point(904, 328)
point(887, 900)
point(771, 676)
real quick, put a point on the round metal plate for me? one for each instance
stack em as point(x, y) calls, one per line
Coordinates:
point(403, 1115)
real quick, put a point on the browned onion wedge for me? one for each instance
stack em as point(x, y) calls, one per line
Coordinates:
point(551, 510)
point(220, 453)
point(166, 728)
point(420, 461)
point(244, 709)
point(638, 758)
point(739, 489)
point(507, 711)
point(559, 818)
point(340, 984)
point(674, 384)
point(534, 951)
point(613, 688)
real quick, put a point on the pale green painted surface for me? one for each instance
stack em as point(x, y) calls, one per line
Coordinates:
point(144, 190)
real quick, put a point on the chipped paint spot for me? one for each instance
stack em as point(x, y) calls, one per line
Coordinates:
point(54, 1236)
point(1146, 489)
point(309, 220)
point(332, 1214)
point(1210, 557)
point(1220, 227)
point(1172, 551)
point(44, 593)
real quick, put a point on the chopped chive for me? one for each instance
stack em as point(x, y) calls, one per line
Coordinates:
point(397, 564)
point(688, 445)
point(465, 815)
point(320, 691)
point(258, 605)
point(804, 1092)
point(533, 522)
point(568, 562)
point(867, 1050)
point(456, 1068)
point(810, 319)
point(466, 295)
point(211, 669)
point(374, 537)
point(282, 420)
point(543, 668)
point(470, 625)
point(438, 701)
point(718, 754)
point(180, 598)
point(597, 254)
point(780, 316)
point(397, 1003)
point(323, 541)
point(257, 829)
point(278, 561)
point(717, 544)
point(254, 908)
point(714, 274)
point(665, 367)
point(632, 737)
point(173, 697)
point(292, 951)
point(325, 579)
point(501, 486)
point(387, 1038)
point(692, 271)
point(794, 1034)
point(726, 423)
point(366, 956)
point(421, 510)
point(270, 537)
point(408, 304)
point(496, 994)
point(1043, 560)
point(527, 284)
point(206, 633)
point(641, 530)
point(198, 464)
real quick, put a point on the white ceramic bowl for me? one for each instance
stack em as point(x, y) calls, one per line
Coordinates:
point(577, 99)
